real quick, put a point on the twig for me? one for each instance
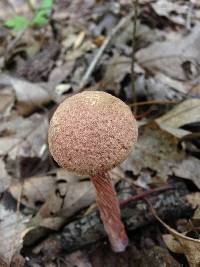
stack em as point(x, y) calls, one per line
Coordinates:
point(150, 102)
point(133, 53)
point(100, 52)
point(144, 194)
point(188, 23)
point(16, 40)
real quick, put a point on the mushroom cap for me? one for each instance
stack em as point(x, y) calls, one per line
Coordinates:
point(91, 132)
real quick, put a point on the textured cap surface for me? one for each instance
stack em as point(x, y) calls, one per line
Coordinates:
point(91, 132)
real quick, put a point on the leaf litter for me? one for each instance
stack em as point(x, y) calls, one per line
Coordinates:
point(13, 229)
point(41, 66)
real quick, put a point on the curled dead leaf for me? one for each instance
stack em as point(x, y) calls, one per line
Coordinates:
point(187, 245)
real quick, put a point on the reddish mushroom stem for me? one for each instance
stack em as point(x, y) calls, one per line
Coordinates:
point(108, 205)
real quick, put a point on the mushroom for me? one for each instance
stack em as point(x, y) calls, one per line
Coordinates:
point(89, 134)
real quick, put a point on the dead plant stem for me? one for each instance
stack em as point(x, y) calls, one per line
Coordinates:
point(156, 101)
point(144, 194)
point(135, 5)
point(122, 23)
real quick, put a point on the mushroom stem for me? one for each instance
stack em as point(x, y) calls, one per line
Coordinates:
point(108, 205)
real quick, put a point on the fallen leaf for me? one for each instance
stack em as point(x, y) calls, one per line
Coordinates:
point(24, 133)
point(117, 68)
point(167, 57)
point(160, 87)
point(33, 191)
point(60, 73)
point(6, 101)
point(12, 230)
point(5, 178)
point(72, 193)
point(172, 243)
point(64, 204)
point(156, 150)
point(29, 96)
point(7, 144)
point(186, 112)
point(194, 200)
point(189, 168)
point(62, 88)
point(178, 60)
point(176, 12)
point(24, 143)
point(79, 40)
point(187, 245)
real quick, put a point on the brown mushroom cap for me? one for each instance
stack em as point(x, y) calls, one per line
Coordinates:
point(91, 132)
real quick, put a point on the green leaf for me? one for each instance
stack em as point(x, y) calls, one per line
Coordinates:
point(16, 23)
point(39, 19)
point(41, 15)
point(46, 4)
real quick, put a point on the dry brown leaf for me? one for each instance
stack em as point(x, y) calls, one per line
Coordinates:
point(29, 96)
point(175, 11)
point(184, 113)
point(27, 137)
point(5, 178)
point(12, 230)
point(194, 200)
point(116, 70)
point(76, 197)
point(59, 208)
point(157, 150)
point(189, 168)
point(7, 144)
point(72, 193)
point(178, 60)
point(172, 243)
point(33, 191)
point(56, 78)
point(160, 87)
point(87, 45)
point(189, 246)
point(79, 40)
point(6, 101)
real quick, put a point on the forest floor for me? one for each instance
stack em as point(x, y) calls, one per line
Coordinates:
point(147, 53)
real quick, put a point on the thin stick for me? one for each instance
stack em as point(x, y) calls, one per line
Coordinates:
point(150, 102)
point(144, 194)
point(133, 53)
point(14, 42)
point(188, 23)
point(100, 52)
